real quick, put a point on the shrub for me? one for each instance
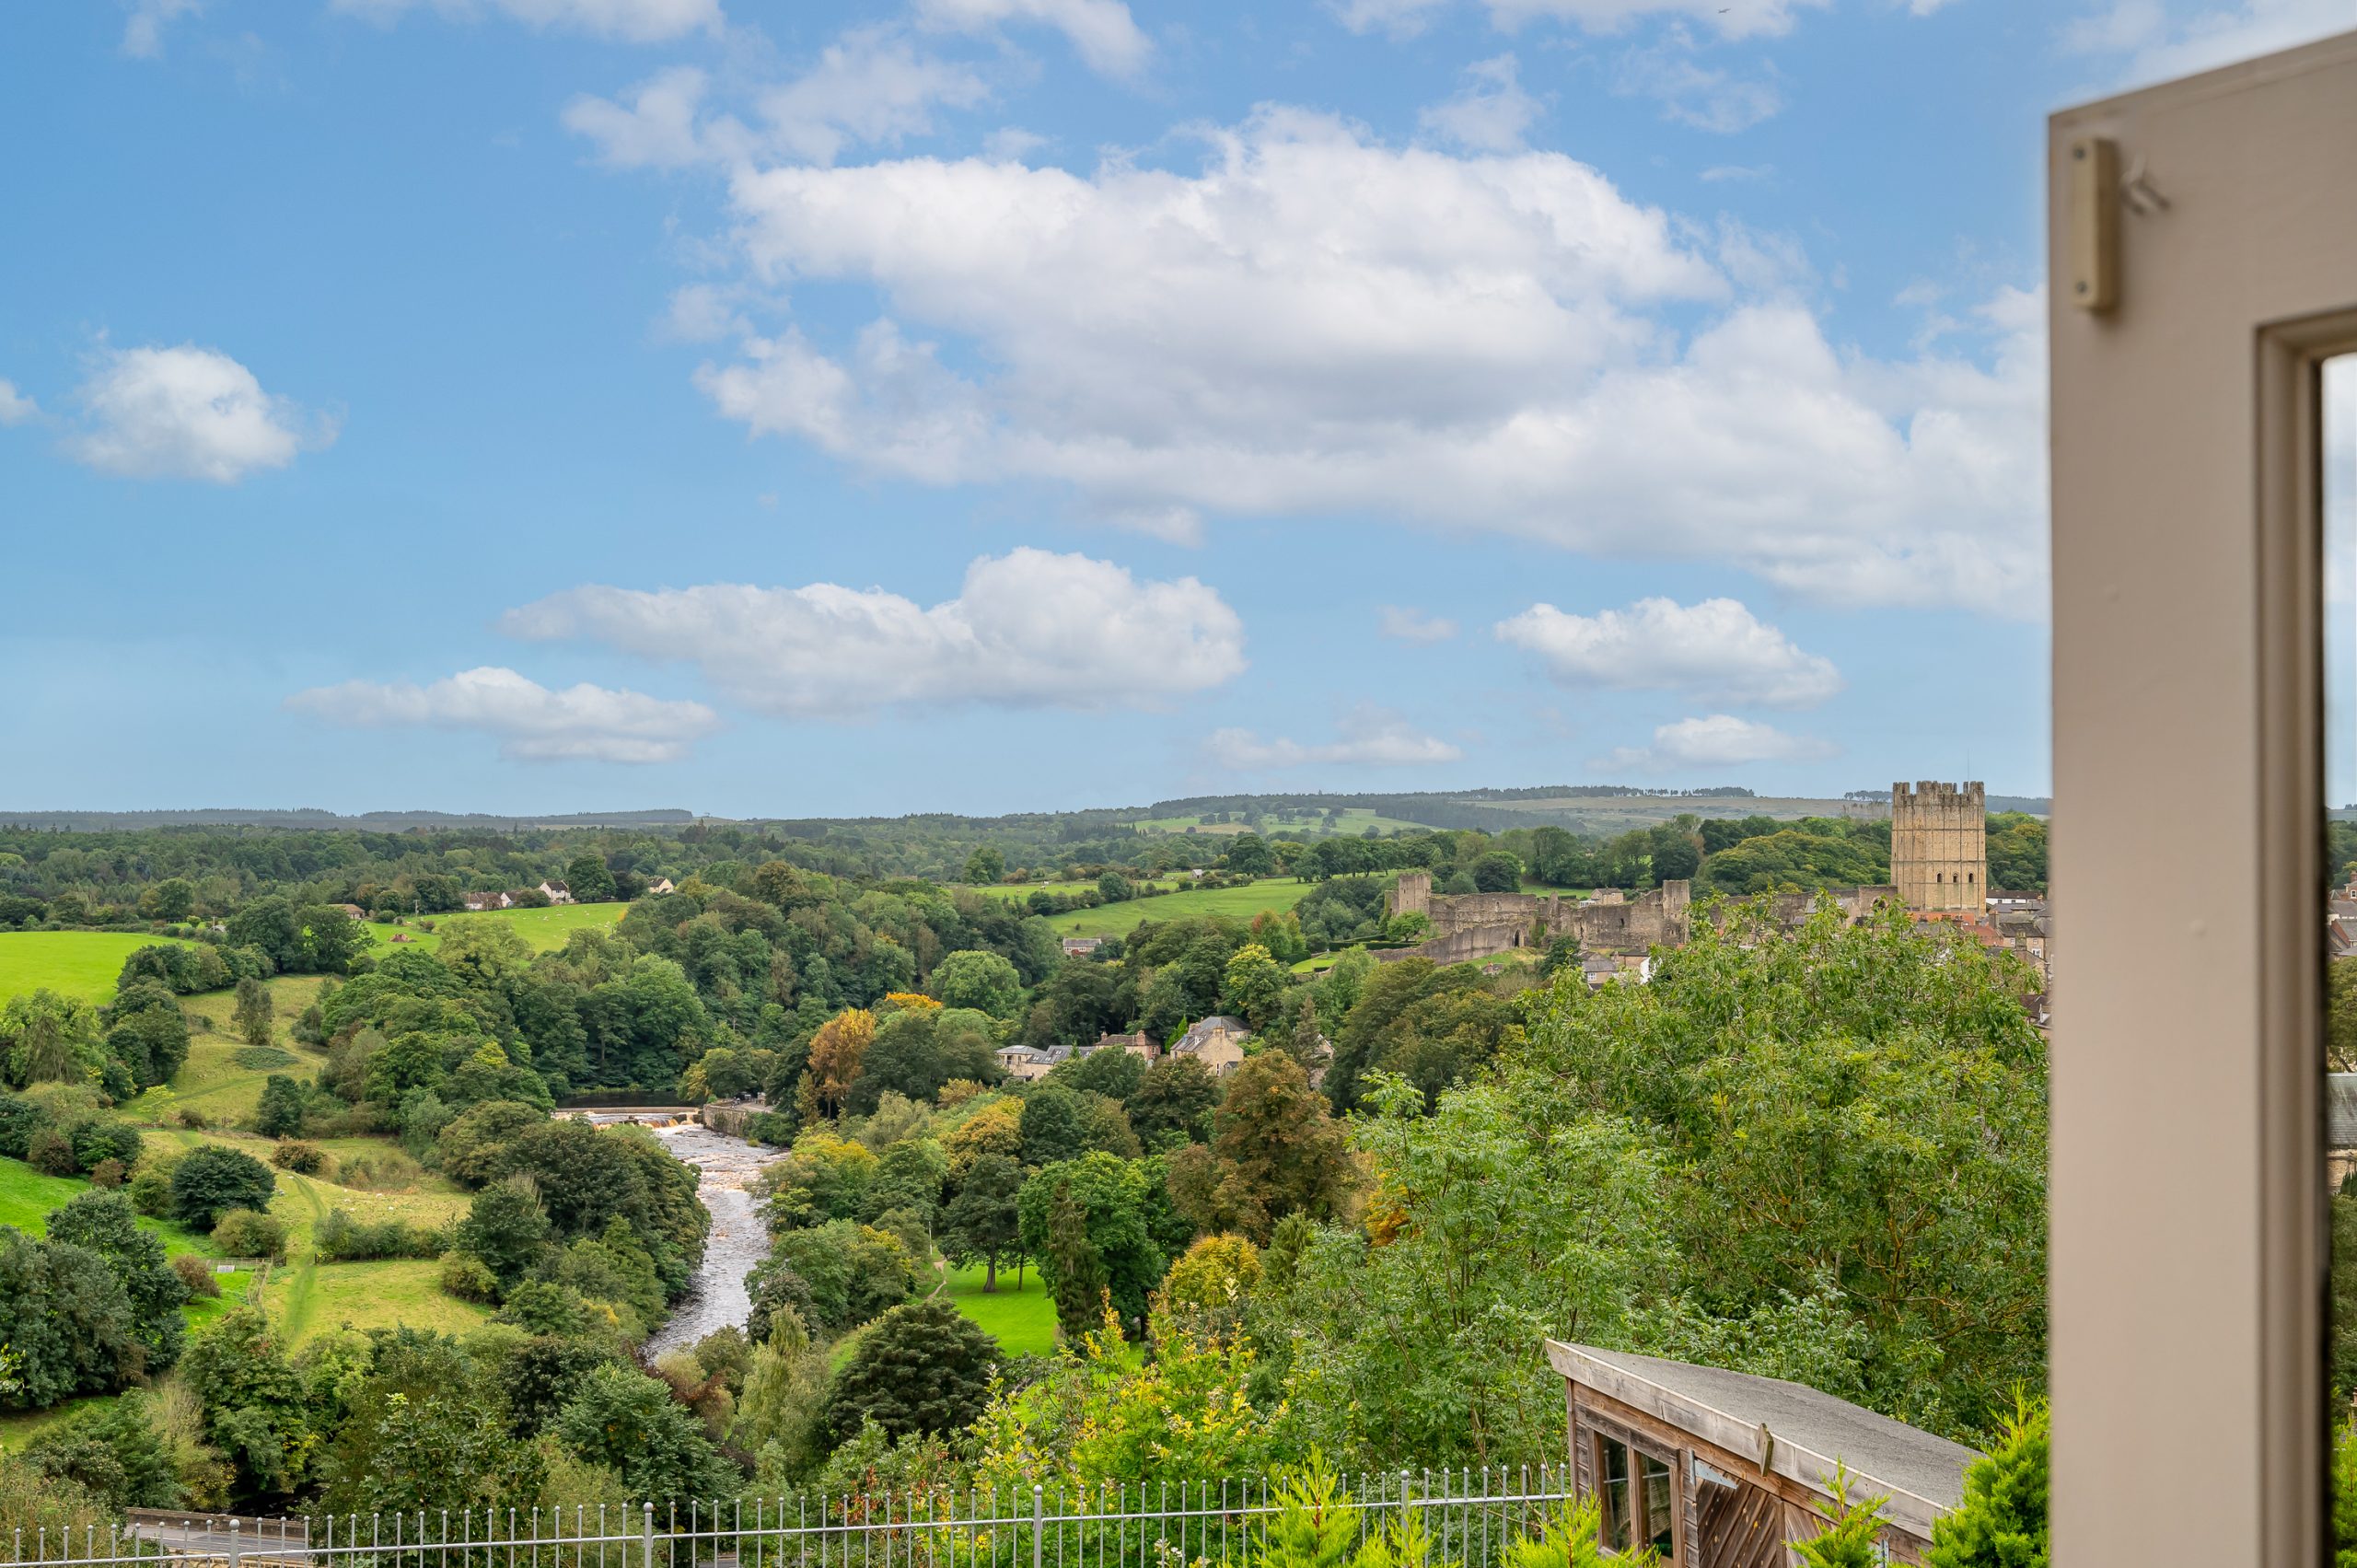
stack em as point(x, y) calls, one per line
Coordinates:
point(192, 1119)
point(151, 1185)
point(2001, 1523)
point(341, 1238)
point(97, 1140)
point(1852, 1532)
point(210, 1181)
point(111, 1452)
point(109, 1174)
point(280, 1112)
point(19, 1119)
point(247, 1233)
point(924, 1366)
point(295, 1155)
point(50, 1153)
point(197, 1275)
point(464, 1276)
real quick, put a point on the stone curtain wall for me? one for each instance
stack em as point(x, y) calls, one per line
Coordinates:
point(1476, 926)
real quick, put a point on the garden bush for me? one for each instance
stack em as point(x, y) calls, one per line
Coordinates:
point(247, 1233)
point(50, 1153)
point(197, 1275)
point(295, 1155)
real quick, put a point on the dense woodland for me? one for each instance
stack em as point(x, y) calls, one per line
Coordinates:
point(132, 878)
point(1814, 1153)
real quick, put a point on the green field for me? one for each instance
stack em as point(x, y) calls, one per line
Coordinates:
point(1353, 823)
point(1017, 891)
point(74, 963)
point(1237, 903)
point(543, 930)
point(212, 1080)
point(390, 1293)
point(1023, 1322)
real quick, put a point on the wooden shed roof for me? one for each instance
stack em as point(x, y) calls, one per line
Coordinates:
point(1787, 1428)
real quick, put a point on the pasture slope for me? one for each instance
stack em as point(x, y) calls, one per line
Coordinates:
point(543, 930)
point(1237, 903)
point(72, 963)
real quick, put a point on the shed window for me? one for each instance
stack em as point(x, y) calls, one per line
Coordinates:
point(1639, 1494)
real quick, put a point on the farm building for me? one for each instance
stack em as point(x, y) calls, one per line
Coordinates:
point(1713, 1468)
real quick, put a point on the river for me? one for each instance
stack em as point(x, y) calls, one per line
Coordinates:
point(738, 1240)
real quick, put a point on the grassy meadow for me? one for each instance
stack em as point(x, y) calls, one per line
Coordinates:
point(72, 963)
point(1237, 903)
point(543, 930)
point(1023, 1322)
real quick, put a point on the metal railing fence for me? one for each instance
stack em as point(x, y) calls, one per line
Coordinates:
point(1471, 1518)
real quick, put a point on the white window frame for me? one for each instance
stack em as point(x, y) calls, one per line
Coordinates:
point(2187, 1202)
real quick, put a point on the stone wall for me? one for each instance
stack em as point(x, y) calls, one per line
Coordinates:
point(1476, 926)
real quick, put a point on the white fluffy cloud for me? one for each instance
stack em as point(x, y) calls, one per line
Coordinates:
point(1103, 31)
point(870, 86)
point(1730, 18)
point(1715, 651)
point(2153, 40)
point(1719, 740)
point(1366, 736)
point(533, 723)
point(1405, 624)
point(631, 21)
point(16, 407)
point(1489, 113)
point(187, 412)
point(1029, 629)
point(1315, 322)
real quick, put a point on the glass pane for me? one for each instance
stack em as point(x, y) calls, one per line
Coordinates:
point(2338, 495)
point(1657, 1504)
point(1612, 1482)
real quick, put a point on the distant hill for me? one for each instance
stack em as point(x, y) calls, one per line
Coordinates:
point(319, 821)
point(1582, 809)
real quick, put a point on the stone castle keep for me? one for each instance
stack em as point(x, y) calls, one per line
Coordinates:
point(1939, 845)
point(1939, 865)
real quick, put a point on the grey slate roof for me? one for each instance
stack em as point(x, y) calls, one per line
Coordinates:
point(1204, 1028)
point(1884, 1454)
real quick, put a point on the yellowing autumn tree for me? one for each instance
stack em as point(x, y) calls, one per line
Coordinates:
point(836, 1052)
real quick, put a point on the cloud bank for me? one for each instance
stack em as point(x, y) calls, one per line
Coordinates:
point(1715, 651)
point(1719, 740)
point(1366, 736)
point(1027, 629)
point(1315, 323)
point(532, 723)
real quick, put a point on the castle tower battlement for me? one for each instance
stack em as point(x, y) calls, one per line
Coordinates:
point(1939, 845)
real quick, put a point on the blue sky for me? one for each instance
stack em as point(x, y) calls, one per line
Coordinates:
point(997, 404)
